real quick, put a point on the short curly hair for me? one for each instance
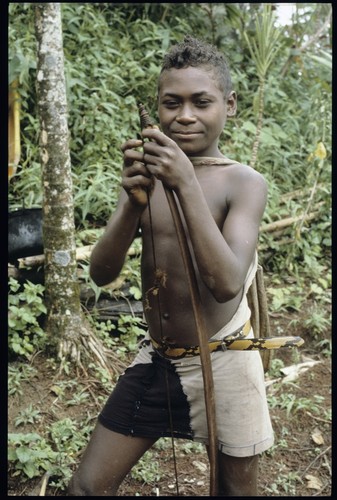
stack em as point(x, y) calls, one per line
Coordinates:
point(194, 52)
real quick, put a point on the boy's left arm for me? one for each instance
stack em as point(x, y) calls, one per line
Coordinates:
point(224, 255)
point(246, 207)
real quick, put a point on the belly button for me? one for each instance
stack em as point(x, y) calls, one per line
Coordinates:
point(166, 316)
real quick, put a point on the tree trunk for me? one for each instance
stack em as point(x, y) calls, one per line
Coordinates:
point(65, 324)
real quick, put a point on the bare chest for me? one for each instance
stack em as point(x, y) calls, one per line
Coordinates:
point(158, 217)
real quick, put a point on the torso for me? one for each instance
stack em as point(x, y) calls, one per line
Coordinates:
point(168, 308)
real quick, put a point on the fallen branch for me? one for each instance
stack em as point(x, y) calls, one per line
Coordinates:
point(284, 241)
point(315, 460)
point(82, 253)
point(44, 484)
point(13, 272)
point(288, 221)
point(299, 193)
point(40, 489)
point(324, 420)
point(33, 261)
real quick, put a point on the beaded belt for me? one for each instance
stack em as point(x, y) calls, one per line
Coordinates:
point(172, 351)
point(235, 342)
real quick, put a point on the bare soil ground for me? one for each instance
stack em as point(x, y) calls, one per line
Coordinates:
point(298, 465)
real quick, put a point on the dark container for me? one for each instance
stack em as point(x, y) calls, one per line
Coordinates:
point(24, 233)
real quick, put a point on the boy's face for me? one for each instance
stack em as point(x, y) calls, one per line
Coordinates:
point(193, 110)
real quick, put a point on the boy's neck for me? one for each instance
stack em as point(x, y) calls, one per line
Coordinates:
point(217, 154)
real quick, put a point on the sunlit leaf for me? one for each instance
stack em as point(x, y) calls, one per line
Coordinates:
point(320, 151)
point(317, 437)
point(314, 483)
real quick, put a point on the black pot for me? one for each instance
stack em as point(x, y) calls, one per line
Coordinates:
point(24, 233)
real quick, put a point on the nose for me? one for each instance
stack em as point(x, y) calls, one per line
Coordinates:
point(185, 115)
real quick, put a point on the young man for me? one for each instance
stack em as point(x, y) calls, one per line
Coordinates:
point(221, 203)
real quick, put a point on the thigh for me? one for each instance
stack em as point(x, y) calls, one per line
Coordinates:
point(238, 475)
point(107, 459)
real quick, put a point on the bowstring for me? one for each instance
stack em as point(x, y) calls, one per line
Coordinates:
point(168, 392)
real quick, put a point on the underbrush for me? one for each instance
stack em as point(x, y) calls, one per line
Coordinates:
point(49, 432)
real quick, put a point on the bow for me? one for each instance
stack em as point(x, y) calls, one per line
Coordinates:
point(205, 357)
point(200, 327)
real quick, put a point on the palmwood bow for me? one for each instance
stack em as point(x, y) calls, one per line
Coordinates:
point(200, 326)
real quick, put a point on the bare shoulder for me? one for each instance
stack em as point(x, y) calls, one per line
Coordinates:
point(245, 177)
point(243, 171)
point(233, 183)
point(245, 187)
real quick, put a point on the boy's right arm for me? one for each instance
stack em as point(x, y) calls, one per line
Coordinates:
point(109, 254)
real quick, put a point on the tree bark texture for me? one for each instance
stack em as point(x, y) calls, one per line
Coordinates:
point(61, 283)
point(66, 323)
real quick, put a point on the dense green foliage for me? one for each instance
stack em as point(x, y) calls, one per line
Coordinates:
point(113, 54)
point(25, 306)
point(112, 57)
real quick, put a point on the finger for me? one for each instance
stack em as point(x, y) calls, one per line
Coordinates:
point(155, 127)
point(154, 148)
point(137, 168)
point(131, 143)
point(151, 160)
point(131, 156)
point(156, 135)
point(137, 180)
point(129, 183)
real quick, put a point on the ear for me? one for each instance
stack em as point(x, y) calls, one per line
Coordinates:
point(231, 103)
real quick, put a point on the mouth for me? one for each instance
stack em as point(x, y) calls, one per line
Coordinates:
point(185, 135)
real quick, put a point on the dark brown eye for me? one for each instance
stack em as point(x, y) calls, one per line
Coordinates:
point(170, 104)
point(202, 103)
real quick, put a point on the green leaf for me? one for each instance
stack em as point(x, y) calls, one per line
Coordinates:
point(249, 126)
point(30, 470)
point(24, 454)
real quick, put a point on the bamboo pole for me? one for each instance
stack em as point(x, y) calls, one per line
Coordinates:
point(288, 221)
point(82, 253)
